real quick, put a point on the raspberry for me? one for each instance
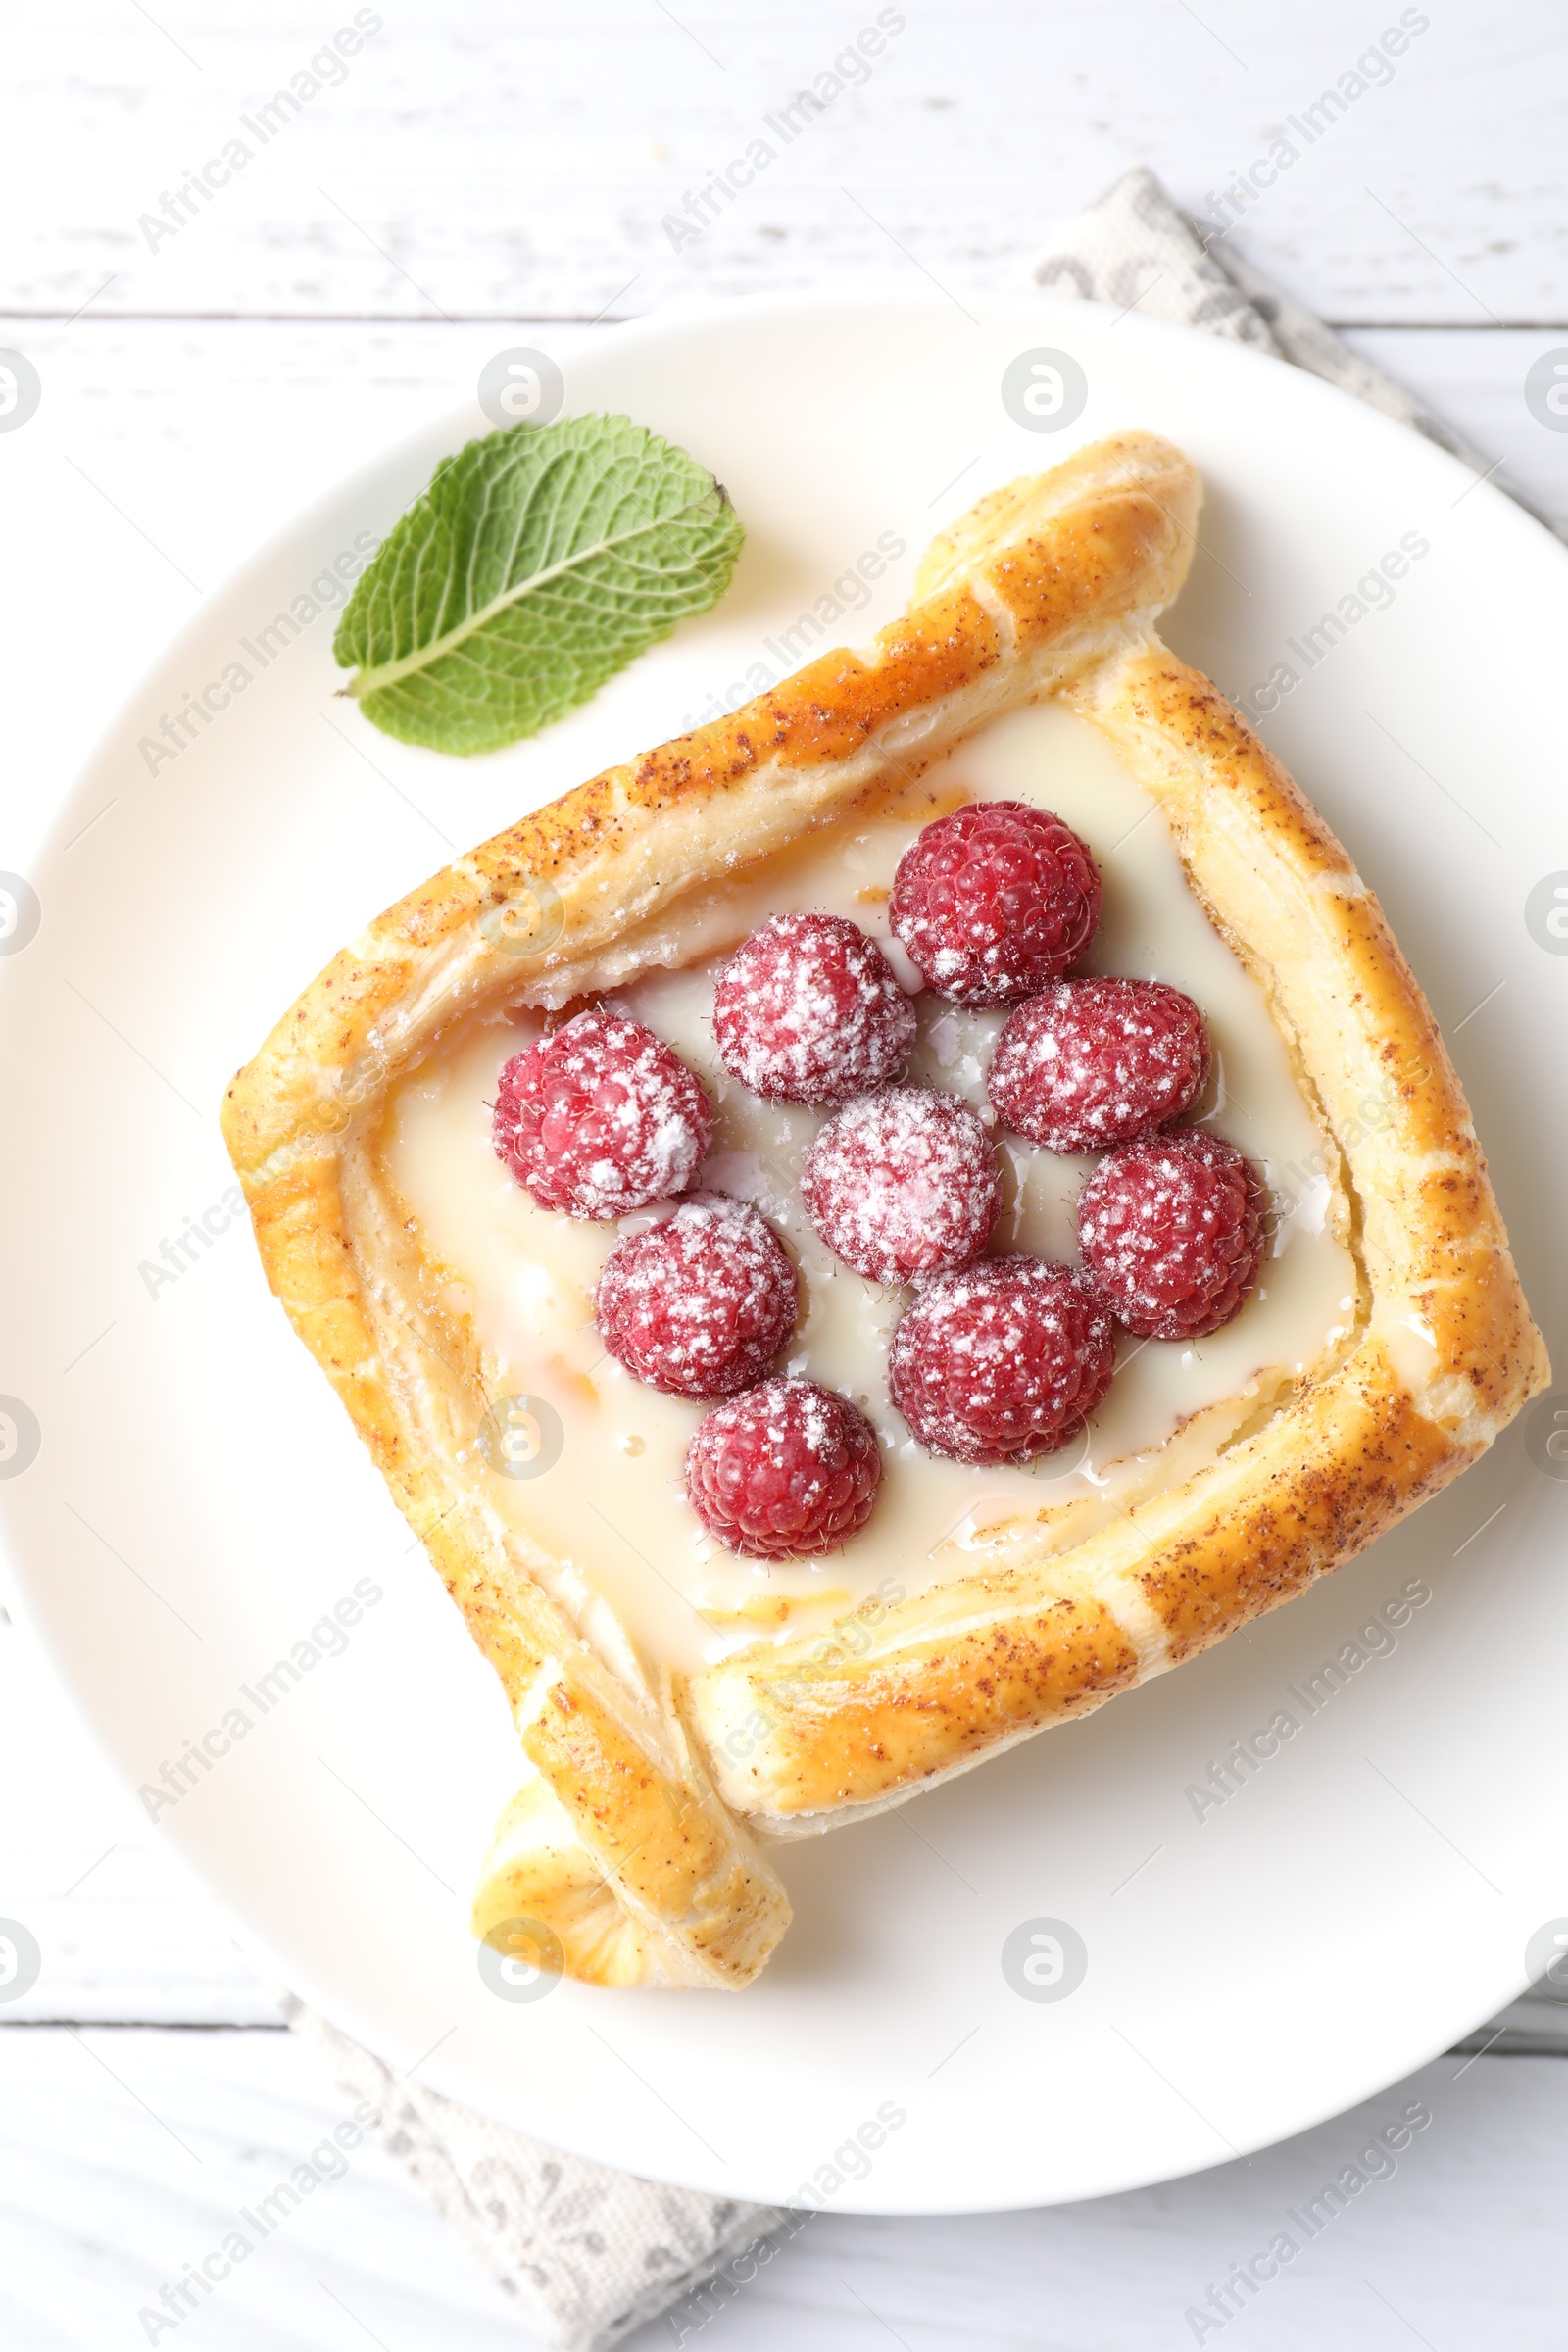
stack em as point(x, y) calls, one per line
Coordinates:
point(701, 1304)
point(787, 1470)
point(1172, 1231)
point(809, 1011)
point(601, 1118)
point(995, 900)
point(903, 1184)
point(1095, 1062)
point(1001, 1360)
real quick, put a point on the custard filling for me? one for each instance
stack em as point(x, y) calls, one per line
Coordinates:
point(633, 1565)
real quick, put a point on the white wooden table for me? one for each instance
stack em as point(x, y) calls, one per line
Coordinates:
point(480, 168)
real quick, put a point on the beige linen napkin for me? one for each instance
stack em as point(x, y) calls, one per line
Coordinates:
point(591, 2253)
point(1135, 249)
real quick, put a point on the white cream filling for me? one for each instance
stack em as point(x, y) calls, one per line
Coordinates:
point(611, 1508)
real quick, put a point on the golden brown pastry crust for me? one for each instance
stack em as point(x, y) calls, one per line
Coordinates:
point(627, 1845)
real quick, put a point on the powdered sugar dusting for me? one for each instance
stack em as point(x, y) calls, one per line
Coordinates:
point(1172, 1233)
point(809, 1011)
point(601, 1118)
point(903, 1184)
point(701, 1304)
point(1091, 1064)
point(788, 1471)
point(1001, 1360)
point(995, 900)
point(527, 1275)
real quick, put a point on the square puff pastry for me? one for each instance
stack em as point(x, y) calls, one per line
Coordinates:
point(627, 1852)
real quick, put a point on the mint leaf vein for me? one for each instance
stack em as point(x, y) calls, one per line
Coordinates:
point(540, 561)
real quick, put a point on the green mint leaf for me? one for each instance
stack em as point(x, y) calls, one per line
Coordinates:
point(540, 561)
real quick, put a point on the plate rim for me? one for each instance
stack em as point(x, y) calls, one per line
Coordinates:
point(704, 315)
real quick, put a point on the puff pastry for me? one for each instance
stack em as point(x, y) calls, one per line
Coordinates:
point(631, 1840)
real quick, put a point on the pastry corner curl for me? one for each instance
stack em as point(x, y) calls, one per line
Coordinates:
point(629, 1843)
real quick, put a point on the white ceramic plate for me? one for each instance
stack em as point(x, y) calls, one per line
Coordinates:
point(199, 1502)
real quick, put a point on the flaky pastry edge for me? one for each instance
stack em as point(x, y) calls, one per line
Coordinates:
point(630, 1842)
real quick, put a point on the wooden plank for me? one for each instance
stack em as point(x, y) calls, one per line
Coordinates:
point(207, 435)
point(127, 1938)
point(502, 167)
point(1536, 2026)
point(171, 449)
point(123, 2157)
point(161, 456)
point(256, 419)
point(123, 1931)
point(1478, 381)
point(1459, 2245)
point(536, 165)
